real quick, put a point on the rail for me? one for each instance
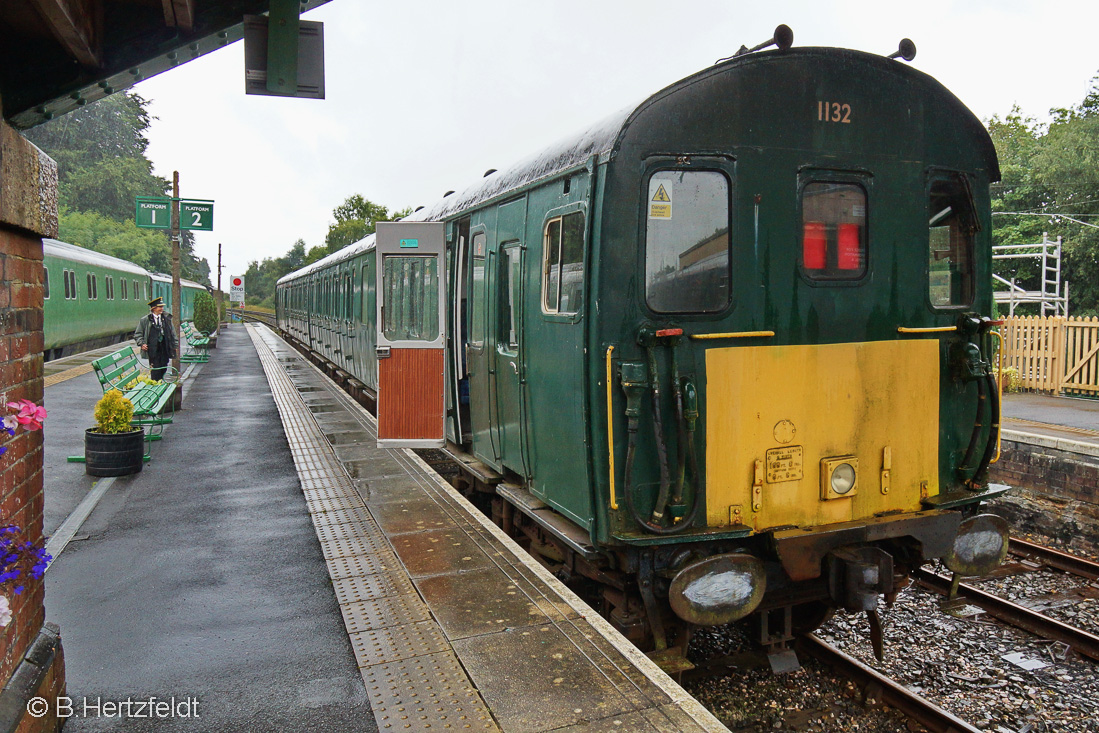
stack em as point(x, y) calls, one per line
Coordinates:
point(892, 693)
point(1080, 566)
point(1012, 613)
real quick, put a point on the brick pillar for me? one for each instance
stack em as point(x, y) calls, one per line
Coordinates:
point(31, 662)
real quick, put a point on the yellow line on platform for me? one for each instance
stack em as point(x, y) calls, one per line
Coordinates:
point(68, 374)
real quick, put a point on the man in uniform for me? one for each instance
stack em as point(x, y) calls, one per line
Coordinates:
point(156, 337)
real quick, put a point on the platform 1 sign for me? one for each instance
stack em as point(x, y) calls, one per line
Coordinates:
point(153, 213)
point(236, 289)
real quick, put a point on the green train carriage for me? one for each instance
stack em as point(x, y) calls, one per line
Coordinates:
point(90, 299)
point(692, 351)
point(162, 288)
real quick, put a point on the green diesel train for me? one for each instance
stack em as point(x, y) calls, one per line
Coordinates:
point(723, 355)
point(93, 299)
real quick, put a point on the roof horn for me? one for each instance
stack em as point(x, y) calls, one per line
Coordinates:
point(783, 38)
point(906, 50)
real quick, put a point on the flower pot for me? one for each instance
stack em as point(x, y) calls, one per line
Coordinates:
point(113, 454)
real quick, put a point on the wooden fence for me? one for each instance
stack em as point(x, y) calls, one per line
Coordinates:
point(1053, 354)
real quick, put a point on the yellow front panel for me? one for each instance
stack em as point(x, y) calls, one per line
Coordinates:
point(774, 412)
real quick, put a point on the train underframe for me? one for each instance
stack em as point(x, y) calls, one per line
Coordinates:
point(810, 574)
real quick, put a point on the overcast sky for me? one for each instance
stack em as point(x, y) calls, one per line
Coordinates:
point(424, 96)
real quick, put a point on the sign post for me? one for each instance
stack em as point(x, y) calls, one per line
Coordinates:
point(236, 293)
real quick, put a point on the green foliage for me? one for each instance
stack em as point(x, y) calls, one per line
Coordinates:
point(1051, 178)
point(206, 313)
point(356, 217)
point(100, 154)
point(113, 413)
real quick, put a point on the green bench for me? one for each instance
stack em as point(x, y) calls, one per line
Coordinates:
point(198, 344)
point(120, 371)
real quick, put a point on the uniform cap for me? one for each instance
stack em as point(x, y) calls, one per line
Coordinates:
point(156, 302)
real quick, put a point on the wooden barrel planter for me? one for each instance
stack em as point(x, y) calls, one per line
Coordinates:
point(113, 454)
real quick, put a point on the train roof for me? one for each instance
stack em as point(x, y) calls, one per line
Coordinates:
point(161, 277)
point(72, 252)
point(602, 139)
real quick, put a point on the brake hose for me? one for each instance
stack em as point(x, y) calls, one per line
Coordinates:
point(963, 468)
point(994, 428)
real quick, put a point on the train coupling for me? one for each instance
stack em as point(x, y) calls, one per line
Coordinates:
point(857, 577)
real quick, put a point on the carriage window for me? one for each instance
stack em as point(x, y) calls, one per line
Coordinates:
point(563, 269)
point(950, 227)
point(477, 306)
point(833, 218)
point(509, 298)
point(687, 242)
point(410, 309)
point(124, 286)
point(45, 283)
point(108, 286)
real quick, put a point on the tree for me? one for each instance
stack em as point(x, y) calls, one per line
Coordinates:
point(206, 313)
point(1051, 176)
point(102, 168)
point(357, 217)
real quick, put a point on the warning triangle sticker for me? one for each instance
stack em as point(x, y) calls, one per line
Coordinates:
point(662, 195)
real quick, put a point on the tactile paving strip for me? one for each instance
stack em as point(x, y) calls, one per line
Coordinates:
point(425, 693)
point(412, 677)
point(395, 643)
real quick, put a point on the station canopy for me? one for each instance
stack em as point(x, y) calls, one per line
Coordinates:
point(57, 55)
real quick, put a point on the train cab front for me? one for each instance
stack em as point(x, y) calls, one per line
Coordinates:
point(807, 384)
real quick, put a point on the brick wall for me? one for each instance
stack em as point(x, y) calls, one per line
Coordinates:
point(28, 212)
point(1060, 472)
point(21, 500)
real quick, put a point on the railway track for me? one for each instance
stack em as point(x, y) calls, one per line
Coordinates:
point(1019, 615)
point(877, 686)
point(259, 316)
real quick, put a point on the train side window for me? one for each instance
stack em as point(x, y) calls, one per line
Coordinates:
point(951, 225)
point(124, 293)
point(45, 283)
point(477, 306)
point(563, 264)
point(687, 242)
point(833, 221)
point(108, 287)
point(411, 302)
point(70, 285)
point(509, 297)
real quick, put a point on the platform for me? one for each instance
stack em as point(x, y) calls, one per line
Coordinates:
point(1065, 423)
point(330, 585)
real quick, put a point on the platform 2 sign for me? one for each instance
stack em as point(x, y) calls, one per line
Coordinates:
point(195, 214)
point(156, 213)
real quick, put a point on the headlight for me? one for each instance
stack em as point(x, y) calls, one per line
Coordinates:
point(843, 478)
point(839, 477)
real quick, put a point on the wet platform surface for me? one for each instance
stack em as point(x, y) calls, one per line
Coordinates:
point(1067, 420)
point(321, 585)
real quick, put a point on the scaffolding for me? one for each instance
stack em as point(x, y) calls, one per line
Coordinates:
point(1052, 298)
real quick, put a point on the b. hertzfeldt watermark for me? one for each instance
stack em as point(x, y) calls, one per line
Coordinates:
point(130, 707)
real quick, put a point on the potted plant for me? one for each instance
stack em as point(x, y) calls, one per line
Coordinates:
point(113, 447)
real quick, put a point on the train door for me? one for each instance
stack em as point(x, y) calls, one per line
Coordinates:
point(508, 323)
point(354, 308)
point(481, 341)
point(458, 388)
point(411, 334)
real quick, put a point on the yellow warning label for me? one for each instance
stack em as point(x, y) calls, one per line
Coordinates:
point(660, 198)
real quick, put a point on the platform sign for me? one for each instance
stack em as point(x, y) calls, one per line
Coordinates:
point(411, 335)
point(153, 212)
point(196, 214)
point(236, 289)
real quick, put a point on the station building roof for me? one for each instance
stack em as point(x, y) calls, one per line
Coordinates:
point(57, 55)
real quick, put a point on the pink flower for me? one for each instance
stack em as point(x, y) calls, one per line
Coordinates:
point(30, 415)
point(5, 612)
